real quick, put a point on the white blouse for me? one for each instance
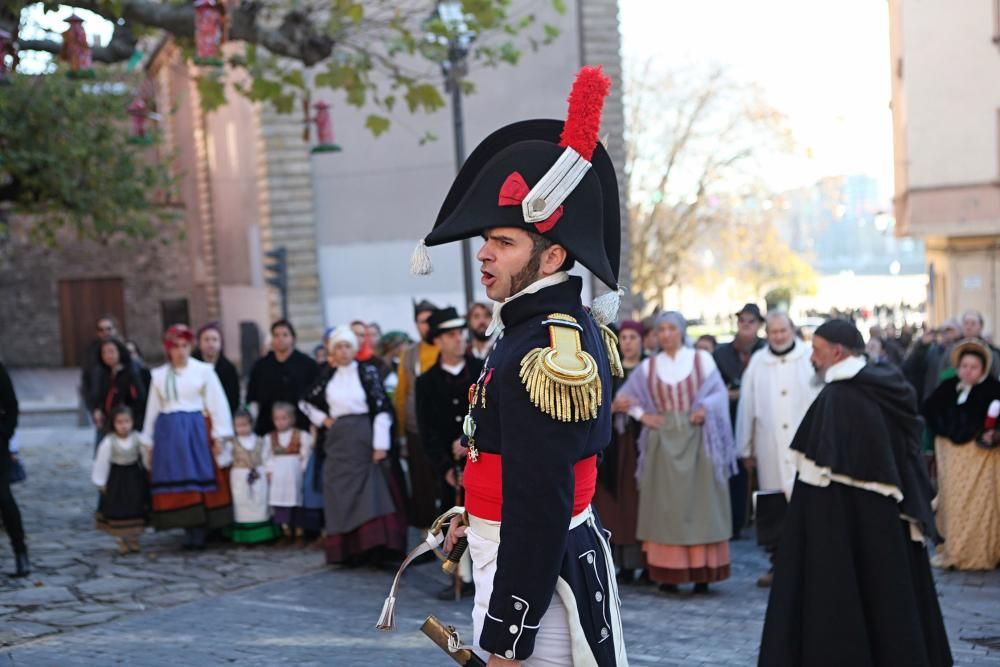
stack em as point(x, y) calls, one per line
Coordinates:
point(672, 370)
point(193, 388)
point(346, 396)
point(102, 460)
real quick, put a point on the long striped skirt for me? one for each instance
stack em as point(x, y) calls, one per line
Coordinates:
point(189, 490)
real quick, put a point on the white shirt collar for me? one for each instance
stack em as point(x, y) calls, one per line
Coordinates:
point(497, 323)
point(453, 370)
point(846, 369)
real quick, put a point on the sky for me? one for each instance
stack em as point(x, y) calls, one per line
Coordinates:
point(824, 64)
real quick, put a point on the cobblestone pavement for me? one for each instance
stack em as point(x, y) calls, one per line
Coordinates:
point(263, 606)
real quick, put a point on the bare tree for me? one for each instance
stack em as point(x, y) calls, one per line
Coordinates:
point(691, 138)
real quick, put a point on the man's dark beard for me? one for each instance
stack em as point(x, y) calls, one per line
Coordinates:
point(528, 274)
point(480, 335)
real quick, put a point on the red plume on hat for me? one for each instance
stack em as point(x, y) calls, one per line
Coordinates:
point(586, 103)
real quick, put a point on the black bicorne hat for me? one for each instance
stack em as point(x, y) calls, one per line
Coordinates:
point(444, 319)
point(545, 176)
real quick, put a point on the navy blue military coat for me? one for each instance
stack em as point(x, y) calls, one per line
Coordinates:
point(538, 455)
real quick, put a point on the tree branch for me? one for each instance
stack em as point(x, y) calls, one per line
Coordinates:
point(294, 37)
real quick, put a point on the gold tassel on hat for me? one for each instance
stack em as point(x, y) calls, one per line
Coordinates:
point(562, 380)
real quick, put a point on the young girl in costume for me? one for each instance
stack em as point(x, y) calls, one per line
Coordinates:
point(248, 482)
point(121, 477)
point(287, 459)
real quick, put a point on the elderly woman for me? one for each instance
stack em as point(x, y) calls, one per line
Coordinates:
point(616, 498)
point(363, 507)
point(187, 418)
point(686, 457)
point(968, 463)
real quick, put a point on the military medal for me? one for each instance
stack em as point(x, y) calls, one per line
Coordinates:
point(469, 429)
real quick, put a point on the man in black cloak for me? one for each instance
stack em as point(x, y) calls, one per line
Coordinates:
point(853, 583)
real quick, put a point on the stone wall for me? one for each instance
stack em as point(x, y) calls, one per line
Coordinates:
point(600, 44)
point(29, 291)
point(288, 218)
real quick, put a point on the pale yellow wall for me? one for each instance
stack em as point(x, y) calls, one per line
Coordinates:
point(951, 85)
point(967, 272)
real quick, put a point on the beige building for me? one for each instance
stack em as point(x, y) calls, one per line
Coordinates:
point(945, 59)
point(248, 184)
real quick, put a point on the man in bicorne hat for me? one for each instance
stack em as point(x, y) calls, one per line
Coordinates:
point(543, 195)
point(852, 581)
point(442, 403)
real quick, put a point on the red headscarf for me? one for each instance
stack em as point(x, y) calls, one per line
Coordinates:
point(174, 335)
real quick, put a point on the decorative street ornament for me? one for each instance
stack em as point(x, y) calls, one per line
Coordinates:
point(324, 130)
point(138, 133)
point(6, 49)
point(208, 24)
point(76, 51)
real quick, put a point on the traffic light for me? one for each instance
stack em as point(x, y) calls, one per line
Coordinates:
point(277, 275)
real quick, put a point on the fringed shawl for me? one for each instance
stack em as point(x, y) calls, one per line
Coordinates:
point(711, 395)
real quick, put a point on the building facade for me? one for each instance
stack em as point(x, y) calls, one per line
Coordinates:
point(249, 184)
point(945, 60)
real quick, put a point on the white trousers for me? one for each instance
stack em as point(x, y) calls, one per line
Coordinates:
point(557, 642)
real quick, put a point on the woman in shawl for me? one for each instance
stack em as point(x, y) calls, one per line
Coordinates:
point(116, 383)
point(968, 462)
point(187, 420)
point(686, 456)
point(616, 498)
point(210, 351)
point(363, 503)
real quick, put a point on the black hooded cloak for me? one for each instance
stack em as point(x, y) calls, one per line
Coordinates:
point(852, 586)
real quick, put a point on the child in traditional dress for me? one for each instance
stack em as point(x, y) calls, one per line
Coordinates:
point(248, 482)
point(121, 477)
point(286, 463)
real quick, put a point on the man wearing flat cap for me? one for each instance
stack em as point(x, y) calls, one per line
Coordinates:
point(852, 582)
point(732, 359)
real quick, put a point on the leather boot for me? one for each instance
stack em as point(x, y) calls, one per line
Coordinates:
point(23, 567)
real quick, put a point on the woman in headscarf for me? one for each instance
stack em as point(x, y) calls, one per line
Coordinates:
point(210, 351)
point(686, 456)
point(616, 498)
point(968, 461)
point(187, 419)
point(363, 503)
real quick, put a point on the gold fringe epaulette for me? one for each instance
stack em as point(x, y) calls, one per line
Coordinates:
point(614, 358)
point(562, 380)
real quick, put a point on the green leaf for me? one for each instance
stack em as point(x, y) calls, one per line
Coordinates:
point(509, 53)
point(424, 96)
point(295, 78)
point(211, 91)
point(377, 124)
point(559, 6)
point(389, 102)
point(551, 32)
point(356, 13)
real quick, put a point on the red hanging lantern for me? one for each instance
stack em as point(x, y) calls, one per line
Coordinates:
point(6, 49)
point(324, 129)
point(76, 50)
point(139, 115)
point(208, 24)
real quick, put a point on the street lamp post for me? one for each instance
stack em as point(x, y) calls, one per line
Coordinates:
point(454, 67)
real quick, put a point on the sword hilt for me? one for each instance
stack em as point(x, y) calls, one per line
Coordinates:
point(455, 555)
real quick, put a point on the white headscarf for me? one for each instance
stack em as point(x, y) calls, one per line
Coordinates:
point(342, 334)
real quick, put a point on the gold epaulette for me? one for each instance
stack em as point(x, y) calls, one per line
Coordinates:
point(614, 358)
point(562, 380)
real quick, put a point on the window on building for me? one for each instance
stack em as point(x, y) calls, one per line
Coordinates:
point(175, 311)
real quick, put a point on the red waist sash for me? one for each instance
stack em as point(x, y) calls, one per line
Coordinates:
point(483, 482)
